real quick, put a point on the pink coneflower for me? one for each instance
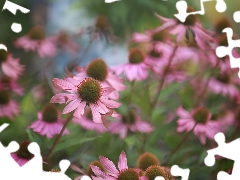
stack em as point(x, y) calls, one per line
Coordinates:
point(130, 122)
point(201, 116)
point(36, 41)
point(22, 156)
point(49, 122)
point(9, 84)
point(136, 68)
point(191, 25)
point(10, 66)
point(64, 41)
point(111, 172)
point(81, 93)
point(86, 122)
point(223, 84)
point(98, 69)
point(8, 107)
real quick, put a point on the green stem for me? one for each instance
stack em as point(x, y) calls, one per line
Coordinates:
point(59, 136)
point(180, 144)
point(164, 77)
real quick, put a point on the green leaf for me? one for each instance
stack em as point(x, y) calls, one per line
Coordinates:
point(72, 142)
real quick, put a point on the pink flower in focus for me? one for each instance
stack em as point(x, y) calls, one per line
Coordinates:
point(22, 156)
point(136, 69)
point(112, 173)
point(36, 41)
point(10, 66)
point(130, 122)
point(98, 69)
point(201, 117)
point(49, 122)
point(81, 93)
point(191, 25)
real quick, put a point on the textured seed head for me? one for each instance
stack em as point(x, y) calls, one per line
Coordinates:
point(50, 113)
point(201, 115)
point(136, 56)
point(147, 159)
point(23, 151)
point(97, 69)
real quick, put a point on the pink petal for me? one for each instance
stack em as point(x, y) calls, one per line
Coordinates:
point(71, 106)
point(109, 166)
point(80, 110)
point(122, 162)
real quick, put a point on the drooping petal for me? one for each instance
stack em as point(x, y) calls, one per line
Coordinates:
point(71, 106)
point(109, 166)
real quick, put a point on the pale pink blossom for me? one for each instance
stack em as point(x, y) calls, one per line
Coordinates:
point(43, 127)
point(135, 124)
point(112, 173)
point(36, 41)
point(78, 97)
point(9, 84)
point(175, 27)
point(204, 126)
point(8, 107)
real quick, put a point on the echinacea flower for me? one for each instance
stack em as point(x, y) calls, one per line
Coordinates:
point(99, 70)
point(149, 36)
point(136, 68)
point(111, 172)
point(156, 171)
point(22, 156)
point(10, 66)
point(36, 41)
point(9, 84)
point(181, 29)
point(64, 41)
point(49, 122)
point(223, 84)
point(147, 159)
point(199, 119)
point(87, 92)
point(86, 122)
point(8, 107)
point(131, 122)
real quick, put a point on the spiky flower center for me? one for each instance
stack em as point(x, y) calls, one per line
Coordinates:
point(4, 97)
point(50, 113)
point(89, 171)
point(128, 174)
point(222, 24)
point(55, 170)
point(23, 151)
point(224, 78)
point(97, 69)
point(154, 171)
point(129, 118)
point(102, 23)
point(136, 56)
point(158, 36)
point(147, 159)
point(37, 33)
point(201, 115)
point(191, 19)
point(89, 90)
point(3, 55)
point(153, 53)
point(168, 171)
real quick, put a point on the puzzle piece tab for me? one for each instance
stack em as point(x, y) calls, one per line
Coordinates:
point(182, 9)
point(222, 51)
point(177, 171)
point(227, 150)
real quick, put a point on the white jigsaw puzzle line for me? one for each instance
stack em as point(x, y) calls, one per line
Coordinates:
point(12, 7)
point(182, 9)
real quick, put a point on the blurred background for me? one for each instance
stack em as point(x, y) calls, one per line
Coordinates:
point(77, 18)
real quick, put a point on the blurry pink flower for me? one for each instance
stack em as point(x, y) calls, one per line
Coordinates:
point(65, 42)
point(8, 107)
point(201, 117)
point(22, 156)
point(136, 69)
point(191, 25)
point(223, 84)
point(81, 93)
point(130, 122)
point(149, 36)
point(9, 84)
point(98, 69)
point(36, 41)
point(111, 172)
point(49, 122)
point(10, 66)
point(86, 122)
